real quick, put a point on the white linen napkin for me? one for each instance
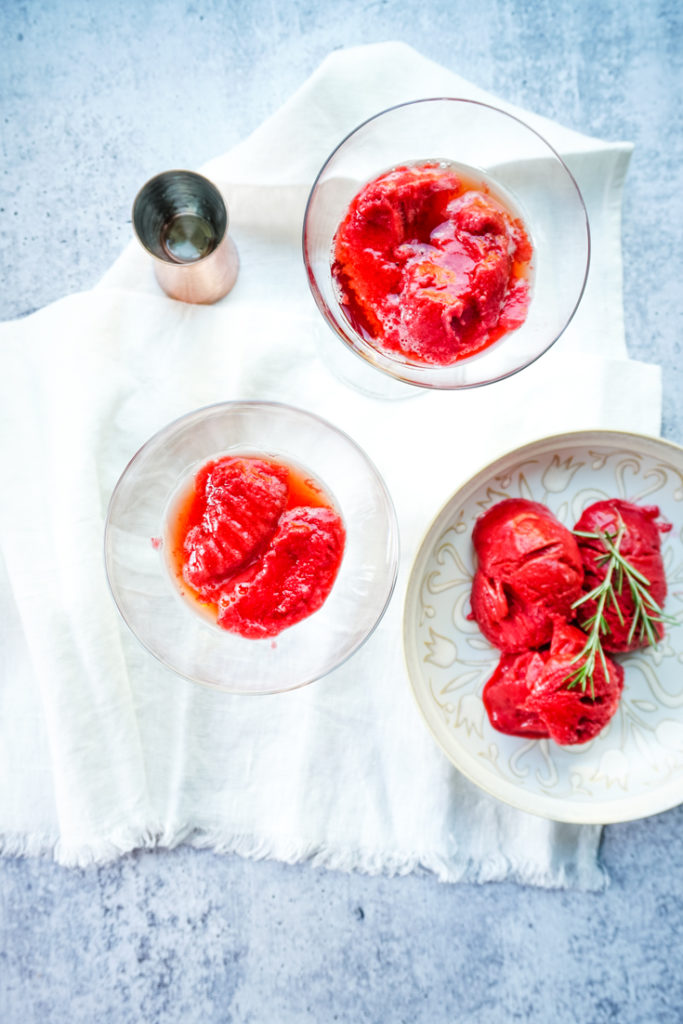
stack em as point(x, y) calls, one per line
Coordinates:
point(102, 750)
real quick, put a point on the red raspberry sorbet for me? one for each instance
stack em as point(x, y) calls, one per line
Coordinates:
point(528, 694)
point(641, 547)
point(529, 574)
point(431, 267)
point(257, 543)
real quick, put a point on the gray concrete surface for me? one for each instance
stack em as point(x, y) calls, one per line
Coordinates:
point(94, 99)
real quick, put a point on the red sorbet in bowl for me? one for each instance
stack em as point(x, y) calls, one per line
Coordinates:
point(430, 265)
point(256, 543)
point(528, 576)
point(640, 545)
point(529, 693)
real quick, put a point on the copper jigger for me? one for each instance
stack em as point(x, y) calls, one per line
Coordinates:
point(181, 220)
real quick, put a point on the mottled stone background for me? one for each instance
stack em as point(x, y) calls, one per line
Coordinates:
point(96, 97)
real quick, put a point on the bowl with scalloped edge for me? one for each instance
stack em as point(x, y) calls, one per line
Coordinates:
point(634, 767)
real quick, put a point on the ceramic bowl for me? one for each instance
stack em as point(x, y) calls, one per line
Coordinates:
point(634, 767)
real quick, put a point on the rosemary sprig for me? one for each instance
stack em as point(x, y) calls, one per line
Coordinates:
point(647, 613)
